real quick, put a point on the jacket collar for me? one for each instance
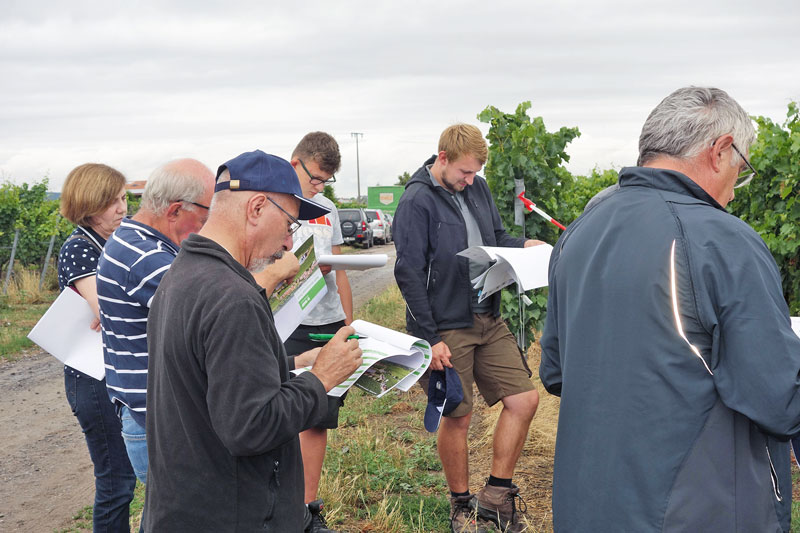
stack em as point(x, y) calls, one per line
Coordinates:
point(668, 180)
point(197, 244)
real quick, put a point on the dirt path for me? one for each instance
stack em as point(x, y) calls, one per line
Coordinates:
point(46, 474)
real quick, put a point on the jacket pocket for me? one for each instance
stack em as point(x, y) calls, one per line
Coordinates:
point(272, 490)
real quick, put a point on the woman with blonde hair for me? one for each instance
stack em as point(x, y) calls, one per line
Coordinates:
point(94, 199)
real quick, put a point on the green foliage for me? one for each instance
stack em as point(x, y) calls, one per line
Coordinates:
point(328, 193)
point(133, 203)
point(26, 207)
point(403, 178)
point(522, 148)
point(771, 202)
point(585, 187)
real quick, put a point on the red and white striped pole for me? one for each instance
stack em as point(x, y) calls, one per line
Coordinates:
point(530, 206)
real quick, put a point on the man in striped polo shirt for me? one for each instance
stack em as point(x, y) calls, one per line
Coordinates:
point(135, 258)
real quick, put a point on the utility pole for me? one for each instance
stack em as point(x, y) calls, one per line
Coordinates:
point(358, 169)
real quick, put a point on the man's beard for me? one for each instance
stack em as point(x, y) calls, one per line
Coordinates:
point(258, 265)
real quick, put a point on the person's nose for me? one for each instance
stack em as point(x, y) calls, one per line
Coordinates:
point(287, 242)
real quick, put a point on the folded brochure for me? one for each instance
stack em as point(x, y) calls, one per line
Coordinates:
point(292, 302)
point(390, 360)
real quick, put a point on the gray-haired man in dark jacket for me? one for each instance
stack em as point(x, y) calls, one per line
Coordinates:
point(669, 342)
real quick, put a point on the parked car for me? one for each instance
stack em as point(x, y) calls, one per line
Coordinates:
point(390, 219)
point(380, 225)
point(356, 228)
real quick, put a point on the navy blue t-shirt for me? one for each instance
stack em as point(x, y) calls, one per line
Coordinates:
point(78, 256)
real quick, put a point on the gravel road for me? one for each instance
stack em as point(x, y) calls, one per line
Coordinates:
point(45, 471)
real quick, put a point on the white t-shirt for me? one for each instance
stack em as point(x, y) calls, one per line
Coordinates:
point(327, 232)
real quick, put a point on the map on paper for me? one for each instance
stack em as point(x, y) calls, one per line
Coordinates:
point(292, 302)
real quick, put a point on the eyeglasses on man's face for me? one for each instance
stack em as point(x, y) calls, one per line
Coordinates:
point(745, 175)
point(294, 224)
point(315, 180)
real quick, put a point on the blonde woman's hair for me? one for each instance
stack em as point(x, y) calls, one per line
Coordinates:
point(89, 190)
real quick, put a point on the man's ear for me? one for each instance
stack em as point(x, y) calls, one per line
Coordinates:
point(173, 210)
point(442, 157)
point(718, 150)
point(256, 206)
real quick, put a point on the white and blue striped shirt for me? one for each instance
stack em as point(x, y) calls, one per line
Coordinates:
point(128, 273)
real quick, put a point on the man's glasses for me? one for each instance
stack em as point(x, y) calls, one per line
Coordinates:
point(315, 180)
point(295, 224)
point(198, 205)
point(746, 175)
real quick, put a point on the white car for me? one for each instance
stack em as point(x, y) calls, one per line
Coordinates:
point(381, 230)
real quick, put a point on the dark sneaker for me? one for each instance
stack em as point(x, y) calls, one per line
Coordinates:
point(498, 505)
point(314, 521)
point(463, 518)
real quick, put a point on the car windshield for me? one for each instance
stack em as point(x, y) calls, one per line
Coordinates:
point(349, 215)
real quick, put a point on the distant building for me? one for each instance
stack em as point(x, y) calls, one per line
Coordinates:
point(136, 188)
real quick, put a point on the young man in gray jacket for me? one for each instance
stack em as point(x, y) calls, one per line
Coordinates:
point(669, 341)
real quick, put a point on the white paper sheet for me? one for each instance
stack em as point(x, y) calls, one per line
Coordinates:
point(527, 267)
point(796, 324)
point(64, 333)
point(354, 262)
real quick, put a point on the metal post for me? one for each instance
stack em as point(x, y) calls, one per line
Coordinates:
point(519, 219)
point(11, 261)
point(47, 261)
point(358, 168)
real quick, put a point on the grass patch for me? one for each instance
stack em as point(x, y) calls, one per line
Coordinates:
point(20, 309)
point(16, 321)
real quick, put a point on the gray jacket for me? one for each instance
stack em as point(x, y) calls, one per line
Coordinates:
point(669, 342)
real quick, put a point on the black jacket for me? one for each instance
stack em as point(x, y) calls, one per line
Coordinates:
point(429, 231)
point(223, 417)
point(669, 341)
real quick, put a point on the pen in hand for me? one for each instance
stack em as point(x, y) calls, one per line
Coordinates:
point(325, 337)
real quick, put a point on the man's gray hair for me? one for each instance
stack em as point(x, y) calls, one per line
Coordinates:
point(689, 120)
point(172, 182)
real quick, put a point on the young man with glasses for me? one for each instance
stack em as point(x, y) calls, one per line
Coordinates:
point(315, 160)
point(669, 342)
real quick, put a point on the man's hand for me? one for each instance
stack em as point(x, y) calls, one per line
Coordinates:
point(284, 269)
point(532, 242)
point(338, 359)
point(306, 358)
point(440, 356)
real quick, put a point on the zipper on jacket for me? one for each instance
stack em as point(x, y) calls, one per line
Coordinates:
point(773, 476)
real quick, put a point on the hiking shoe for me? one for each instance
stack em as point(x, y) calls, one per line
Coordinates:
point(463, 518)
point(314, 521)
point(498, 505)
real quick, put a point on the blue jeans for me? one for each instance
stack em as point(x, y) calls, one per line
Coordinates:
point(136, 443)
point(113, 476)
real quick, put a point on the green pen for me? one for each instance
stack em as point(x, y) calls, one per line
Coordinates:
point(325, 337)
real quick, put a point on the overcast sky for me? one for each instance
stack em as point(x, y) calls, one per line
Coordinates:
point(135, 84)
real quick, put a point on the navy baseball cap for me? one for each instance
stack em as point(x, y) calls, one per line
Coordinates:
point(257, 171)
point(444, 395)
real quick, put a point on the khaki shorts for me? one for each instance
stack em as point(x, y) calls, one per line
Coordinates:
point(486, 354)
